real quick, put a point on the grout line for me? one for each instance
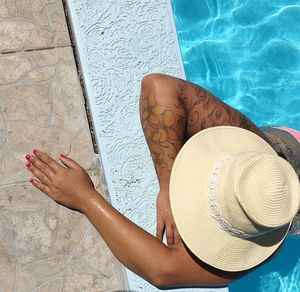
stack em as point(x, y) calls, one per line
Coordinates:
point(34, 49)
point(13, 183)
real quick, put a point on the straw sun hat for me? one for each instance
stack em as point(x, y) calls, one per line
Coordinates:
point(233, 198)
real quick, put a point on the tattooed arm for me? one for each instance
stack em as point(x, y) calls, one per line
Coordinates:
point(172, 110)
point(164, 127)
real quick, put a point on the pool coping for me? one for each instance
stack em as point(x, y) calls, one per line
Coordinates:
point(83, 34)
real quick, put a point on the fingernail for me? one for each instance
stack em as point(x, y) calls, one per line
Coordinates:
point(63, 156)
point(31, 180)
point(35, 152)
point(27, 157)
point(29, 165)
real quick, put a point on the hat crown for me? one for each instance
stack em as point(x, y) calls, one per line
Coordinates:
point(255, 192)
point(263, 191)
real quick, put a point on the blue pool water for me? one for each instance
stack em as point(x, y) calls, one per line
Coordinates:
point(247, 52)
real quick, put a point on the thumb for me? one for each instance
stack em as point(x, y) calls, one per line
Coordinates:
point(70, 163)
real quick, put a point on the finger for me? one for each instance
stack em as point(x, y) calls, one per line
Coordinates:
point(170, 234)
point(69, 162)
point(45, 189)
point(47, 160)
point(40, 175)
point(177, 237)
point(41, 166)
point(159, 230)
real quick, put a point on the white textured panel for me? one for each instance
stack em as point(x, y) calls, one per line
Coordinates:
point(118, 42)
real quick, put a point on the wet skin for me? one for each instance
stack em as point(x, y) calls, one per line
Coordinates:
point(171, 110)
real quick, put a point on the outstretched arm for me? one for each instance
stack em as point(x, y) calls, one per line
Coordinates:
point(138, 250)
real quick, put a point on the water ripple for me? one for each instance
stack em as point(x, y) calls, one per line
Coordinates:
point(245, 52)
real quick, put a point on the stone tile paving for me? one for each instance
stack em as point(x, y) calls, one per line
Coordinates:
point(44, 246)
point(32, 24)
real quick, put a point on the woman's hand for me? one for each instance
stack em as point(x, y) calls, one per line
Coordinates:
point(165, 220)
point(68, 185)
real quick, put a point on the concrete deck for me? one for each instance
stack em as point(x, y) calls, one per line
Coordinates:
point(44, 246)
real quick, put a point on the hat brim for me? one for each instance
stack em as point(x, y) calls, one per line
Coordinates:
point(190, 206)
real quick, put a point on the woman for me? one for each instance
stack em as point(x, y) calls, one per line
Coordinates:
point(224, 231)
point(188, 109)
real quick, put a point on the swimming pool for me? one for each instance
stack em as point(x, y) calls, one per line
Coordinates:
point(248, 54)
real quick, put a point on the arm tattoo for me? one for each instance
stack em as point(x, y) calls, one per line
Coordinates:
point(205, 110)
point(163, 130)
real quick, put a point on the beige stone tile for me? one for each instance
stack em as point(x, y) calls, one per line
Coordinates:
point(53, 286)
point(39, 12)
point(51, 221)
point(90, 239)
point(82, 150)
point(44, 57)
point(7, 267)
point(13, 67)
point(100, 261)
point(25, 280)
point(24, 138)
point(47, 267)
point(68, 103)
point(37, 82)
point(58, 22)
point(83, 282)
point(25, 102)
point(71, 228)
point(99, 257)
point(41, 106)
point(3, 132)
point(3, 227)
point(34, 24)
point(42, 74)
point(12, 168)
point(30, 237)
point(76, 264)
point(24, 197)
point(50, 1)
point(15, 8)
point(66, 54)
point(16, 36)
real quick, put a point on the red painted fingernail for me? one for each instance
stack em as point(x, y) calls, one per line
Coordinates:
point(27, 157)
point(35, 152)
point(28, 164)
point(31, 180)
point(63, 156)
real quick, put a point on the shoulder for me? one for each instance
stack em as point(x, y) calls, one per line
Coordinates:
point(285, 144)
